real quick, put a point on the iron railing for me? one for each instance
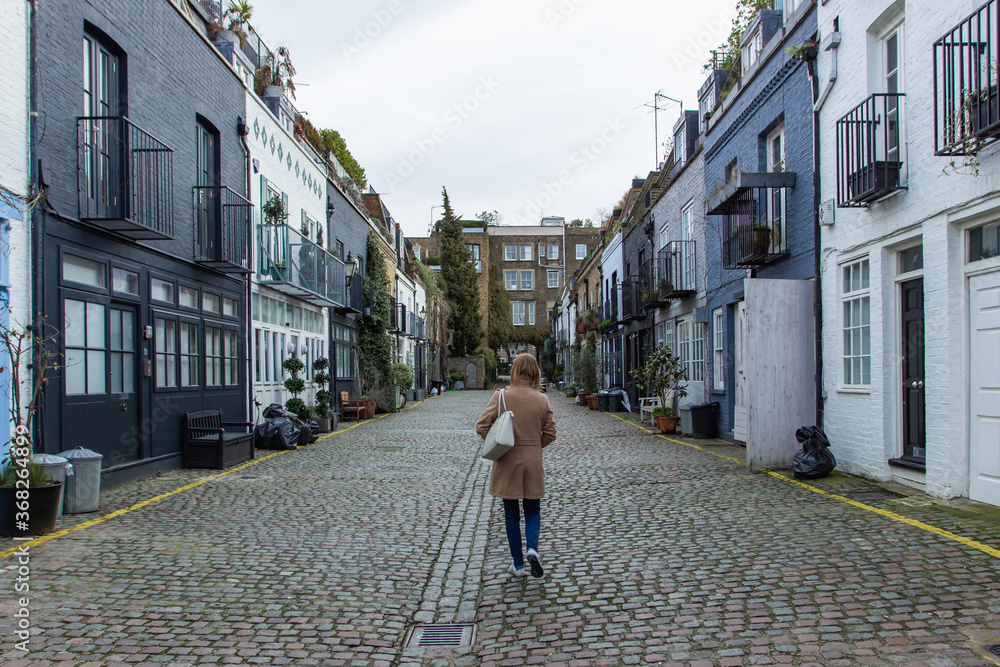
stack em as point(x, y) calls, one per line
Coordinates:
point(871, 150)
point(755, 228)
point(222, 220)
point(213, 7)
point(354, 295)
point(676, 270)
point(966, 90)
point(291, 263)
point(125, 178)
point(632, 309)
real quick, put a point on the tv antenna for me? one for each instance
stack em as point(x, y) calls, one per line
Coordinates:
point(655, 106)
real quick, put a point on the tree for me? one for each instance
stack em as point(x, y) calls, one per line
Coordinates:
point(501, 325)
point(461, 288)
point(336, 144)
point(493, 217)
point(374, 344)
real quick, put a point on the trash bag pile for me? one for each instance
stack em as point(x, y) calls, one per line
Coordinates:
point(284, 430)
point(814, 460)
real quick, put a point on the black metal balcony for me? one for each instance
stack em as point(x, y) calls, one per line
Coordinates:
point(871, 151)
point(399, 319)
point(291, 263)
point(676, 270)
point(125, 178)
point(966, 92)
point(755, 228)
point(631, 307)
point(354, 297)
point(222, 221)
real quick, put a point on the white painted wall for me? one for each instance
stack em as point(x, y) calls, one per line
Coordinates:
point(864, 425)
point(611, 262)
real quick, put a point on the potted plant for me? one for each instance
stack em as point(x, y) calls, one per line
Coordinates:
point(571, 390)
point(275, 76)
point(592, 400)
point(402, 377)
point(29, 498)
point(229, 27)
point(665, 419)
point(663, 374)
point(590, 319)
point(455, 378)
point(664, 287)
point(295, 386)
point(323, 396)
point(274, 215)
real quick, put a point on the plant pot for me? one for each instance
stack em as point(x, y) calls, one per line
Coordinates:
point(667, 424)
point(571, 392)
point(369, 409)
point(273, 91)
point(592, 401)
point(581, 328)
point(226, 36)
point(665, 291)
point(43, 507)
point(324, 424)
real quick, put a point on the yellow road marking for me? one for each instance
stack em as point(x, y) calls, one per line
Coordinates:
point(985, 548)
point(163, 496)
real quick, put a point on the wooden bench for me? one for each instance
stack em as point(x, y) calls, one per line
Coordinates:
point(646, 406)
point(349, 407)
point(206, 444)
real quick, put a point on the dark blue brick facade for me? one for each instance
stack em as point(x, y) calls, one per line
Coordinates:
point(778, 90)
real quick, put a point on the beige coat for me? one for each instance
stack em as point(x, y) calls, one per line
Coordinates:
point(519, 473)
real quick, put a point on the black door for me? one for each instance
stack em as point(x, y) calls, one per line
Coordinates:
point(914, 433)
point(208, 200)
point(103, 136)
point(100, 378)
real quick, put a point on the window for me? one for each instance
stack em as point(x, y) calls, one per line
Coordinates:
point(166, 352)
point(527, 279)
point(189, 297)
point(510, 253)
point(342, 257)
point(751, 48)
point(229, 307)
point(684, 343)
point(100, 99)
point(857, 324)
point(474, 251)
point(892, 53)
point(705, 106)
point(230, 366)
point(553, 279)
point(663, 237)
point(210, 302)
point(718, 359)
point(517, 309)
point(984, 242)
point(696, 366)
point(531, 313)
point(161, 290)
point(668, 336)
point(526, 253)
point(790, 6)
point(553, 252)
point(344, 340)
point(189, 354)
point(731, 169)
point(774, 147)
point(126, 282)
point(680, 145)
point(911, 259)
point(510, 280)
point(581, 251)
point(213, 357)
point(84, 271)
point(687, 233)
point(207, 204)
point(85, 347)
point(659, 334)
point(122, 351)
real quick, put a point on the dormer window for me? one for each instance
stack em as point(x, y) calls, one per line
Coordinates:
point(705, 106)
point(752, 45)
point(680, 144)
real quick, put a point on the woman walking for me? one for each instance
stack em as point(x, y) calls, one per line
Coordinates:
point(518, 475)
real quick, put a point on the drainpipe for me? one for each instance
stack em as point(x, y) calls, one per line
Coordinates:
point(37, 222)
point(242, 130)
point(830, 44)
point(817, 281)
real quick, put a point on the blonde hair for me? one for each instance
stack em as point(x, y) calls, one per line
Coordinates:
point(526, 368)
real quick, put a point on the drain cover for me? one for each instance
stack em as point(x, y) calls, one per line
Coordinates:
point(441, 635)
point(995, 649)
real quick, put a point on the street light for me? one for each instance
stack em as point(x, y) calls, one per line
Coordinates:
point(349, 267)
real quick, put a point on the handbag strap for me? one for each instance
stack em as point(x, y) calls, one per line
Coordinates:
point(501, 405)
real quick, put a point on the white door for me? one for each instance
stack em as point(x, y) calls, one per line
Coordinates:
point(740, 381)
point(984, 376)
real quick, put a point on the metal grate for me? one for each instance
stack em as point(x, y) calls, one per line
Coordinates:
point(441, 635)
point(995, 649)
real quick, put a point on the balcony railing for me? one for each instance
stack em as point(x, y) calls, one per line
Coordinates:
point(676, 270)
point(222, 220)
point(871, 151)
point(632, 309)
point(966, 91)
point(213, 8)
point(291, 263)
point(125, 178)
point(354, 296)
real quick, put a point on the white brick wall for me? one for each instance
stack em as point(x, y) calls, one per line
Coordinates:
point(865, 427)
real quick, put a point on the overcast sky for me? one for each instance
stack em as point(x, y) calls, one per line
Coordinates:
point(524, 106)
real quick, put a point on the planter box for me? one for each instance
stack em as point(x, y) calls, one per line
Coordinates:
point(369, 409)
point(43, 503)
point(324, 424)
point(874, 180)
point(592, 401)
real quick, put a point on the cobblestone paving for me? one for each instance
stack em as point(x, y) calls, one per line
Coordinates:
point(656, 553)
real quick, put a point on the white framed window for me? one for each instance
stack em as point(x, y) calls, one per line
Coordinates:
point(474, 251)
point(705, 105)
point(663, 237)
point(510, 253)
point(668, 336)
point(517, 311)
point(774, 147)
point(718, 350)
point(696, 365)
point(684, 342)
point(553, 252)
point(856, 304)
point(531, 313)
point(526, 253)
point(680, 145)
point(891, 48)
point(789, 7)
point(581, 250)
point(750, 49)
point(658, 333)
point(527, 279)
point(553, 279)
point(687, 233)
point(510, 280)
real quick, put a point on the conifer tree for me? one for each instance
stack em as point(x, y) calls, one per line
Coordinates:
point(501, 325)
point(461, 289)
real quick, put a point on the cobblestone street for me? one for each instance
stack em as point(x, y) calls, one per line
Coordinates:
point(656, 552)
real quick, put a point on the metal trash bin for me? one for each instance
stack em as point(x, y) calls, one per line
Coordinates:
point(59, 468)
point(685, 415)
point(705, 420)
point(83, 487)
point(602, 400)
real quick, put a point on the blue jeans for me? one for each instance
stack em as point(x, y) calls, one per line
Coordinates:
point(532, 526)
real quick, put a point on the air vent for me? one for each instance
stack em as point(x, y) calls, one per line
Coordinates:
point(441, 635)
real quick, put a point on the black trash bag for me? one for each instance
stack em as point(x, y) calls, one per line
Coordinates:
point(815, 459)
point(275, 411)
point(313, 430)
point(307, 434)
point(289, 435)
point(267, 436)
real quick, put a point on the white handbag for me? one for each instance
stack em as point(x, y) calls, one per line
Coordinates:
point(501, 436)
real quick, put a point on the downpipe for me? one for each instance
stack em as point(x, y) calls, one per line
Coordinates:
point(817, 279)
point(242, 130)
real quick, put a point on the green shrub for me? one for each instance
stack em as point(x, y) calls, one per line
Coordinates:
point(402, 376)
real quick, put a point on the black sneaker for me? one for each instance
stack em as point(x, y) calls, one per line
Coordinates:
point(535, 563)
